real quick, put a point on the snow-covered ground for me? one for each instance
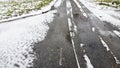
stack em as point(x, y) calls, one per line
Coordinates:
point(15, 8)
point(104, 13)
point(32, 13)
point(17, 37)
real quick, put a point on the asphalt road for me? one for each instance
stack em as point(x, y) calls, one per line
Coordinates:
point(65, 46)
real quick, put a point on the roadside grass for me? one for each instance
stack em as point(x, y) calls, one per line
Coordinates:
point(103, 0)
point(13, 8)
point(43, 3)
point(110, 3)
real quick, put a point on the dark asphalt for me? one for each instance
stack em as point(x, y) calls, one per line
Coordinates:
point(48, 51)
point(56, 50)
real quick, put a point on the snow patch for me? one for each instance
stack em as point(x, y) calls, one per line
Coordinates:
point(75, 28)
point(69, 24)
point(69, 7)
point(93, 29)
point(77, 4)
point(89, 65)
point(17, 37)
point(84, 14)
point(82, 45)
point(104, 44)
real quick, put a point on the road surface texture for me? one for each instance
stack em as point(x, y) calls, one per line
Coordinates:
point(78, 39)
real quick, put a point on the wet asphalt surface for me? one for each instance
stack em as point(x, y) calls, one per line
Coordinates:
point(56, 50)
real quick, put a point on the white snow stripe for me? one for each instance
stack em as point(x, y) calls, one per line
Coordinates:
point(117, 33)
point(75, 28)
point(108, 49)
point(104, 44)
point(71, 34)
point(75, 53)
point(77, 4)
point(69, 24)
point(84, 14)
point(69, 7)
point(69, 10)
point(60, 61)
point(89, 65)
point(117, 61)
